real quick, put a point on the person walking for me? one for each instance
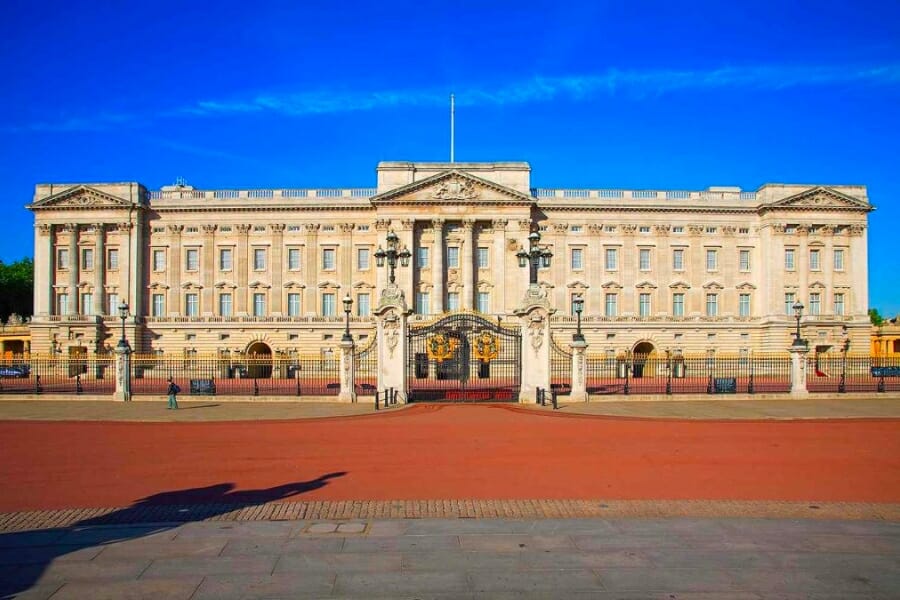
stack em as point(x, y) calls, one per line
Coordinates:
point(173, 394)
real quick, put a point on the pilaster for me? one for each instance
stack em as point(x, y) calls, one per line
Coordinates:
point(468, 265)
point(174, 267)
point(437, 265)
point(276, 268)
point(207, 297)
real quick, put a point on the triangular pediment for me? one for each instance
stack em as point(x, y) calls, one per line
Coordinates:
point(820, 197)
point(453, 187)
point(82, 196)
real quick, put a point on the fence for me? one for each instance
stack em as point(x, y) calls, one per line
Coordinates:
point(365, 363)
point(852, 373)
point(58, 374)
point(560, 368)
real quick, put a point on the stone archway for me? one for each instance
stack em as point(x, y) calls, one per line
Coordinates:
point(644, 352)
point(259, 360)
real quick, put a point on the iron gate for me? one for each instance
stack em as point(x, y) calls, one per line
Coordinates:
point(463, 357)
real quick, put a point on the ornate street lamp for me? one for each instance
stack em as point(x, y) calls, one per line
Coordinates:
point(123, 314)
point(845, 347)
point(798, 312)
point(348, 304)
point(578, 307)
point(534, 257)
point(392, 253)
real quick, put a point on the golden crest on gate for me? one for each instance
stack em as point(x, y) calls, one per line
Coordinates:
point(440, 347)
point(486, 347)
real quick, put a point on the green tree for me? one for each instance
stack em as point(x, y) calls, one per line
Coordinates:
point(875, 317)
point(16, 288)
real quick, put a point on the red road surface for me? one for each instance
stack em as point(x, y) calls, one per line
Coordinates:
point(446, 451)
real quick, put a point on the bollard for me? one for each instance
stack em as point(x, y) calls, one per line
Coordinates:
point(709, 385)
point(78, 388)
point(376, 400)
point(37, 384)
point(750, 384)
point(255, 388)
point(553, 397)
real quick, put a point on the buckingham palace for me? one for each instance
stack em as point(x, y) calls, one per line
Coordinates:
point(266, 271)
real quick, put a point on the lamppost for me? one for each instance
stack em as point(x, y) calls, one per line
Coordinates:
point(123, 346)
point(392, 253)
point(348, 303)
point(578, 307)
point(845, 347)
point(533, 257)
point(798, 312)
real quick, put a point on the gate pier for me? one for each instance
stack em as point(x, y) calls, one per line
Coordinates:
point(391, 317)
point(534, 318)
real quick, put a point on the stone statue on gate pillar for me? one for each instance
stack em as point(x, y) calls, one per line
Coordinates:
point(391, 316)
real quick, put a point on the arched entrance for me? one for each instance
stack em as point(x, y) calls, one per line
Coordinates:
point(259, 361)
point(644, 355)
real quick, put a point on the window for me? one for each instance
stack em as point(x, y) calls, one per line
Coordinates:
point(225, 305)
point(191, 305)
point(453, 257)
point(329, 307)
point(363, 305)
point(453, 301)
point(678, 304)
point(712, 259)
point(62, 258)
point(422, 258)
point(711, 229)
point(225, 228)
point(789, 303)
point(712, 305)
point(158, 305)
point(482, 258)
point(678, 229)
point(644, 259)
point(789, 259)
point(838, 259)
point(611, 305)
point(62, 304)
point(259, 305)
point(192, 259)
point(226, 259)
point(259, 259)
point(423, 303)
point(328, 259)
point(744, 305)
point(644, 305)
point(112, 259)
point(362, 259)
point(814, 262)
point(483, 302)
point(87, 304)
point(87, 258)
point(815, 304)
point(293, 303)
point(293, 259)
point(678, 259)
point(612, 259)
point(112, 304)
point(744, 260)
point(577, 259)
point(839, 304)
point(362, 227)
point(159, 260)
point(644, 229)
point(575, 229)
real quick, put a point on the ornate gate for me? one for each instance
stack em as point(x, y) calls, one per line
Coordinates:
point(463, 357)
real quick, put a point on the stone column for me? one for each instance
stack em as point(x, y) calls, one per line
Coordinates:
point(826, 262)
point(858, 265)
point(534, 317)
point(207, 295)
point(437, 265)
point(100, 307)
point(661, 264)
point(468, 266)
point(242, 264)
point(123, 373)
point(498, 265)
point(74, 265)
point(579, 369)
point(311, 269)
point(391, 321)
point(345, 265)
point(174, 268)
point(382, 226)
point(559, 265)
point(405, 278)
point(276, 268)
point(798, 370)
point(628, 272)
point(348, 384)
point(44, 262)
point(695, 266)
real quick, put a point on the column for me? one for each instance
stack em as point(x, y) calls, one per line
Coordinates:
point(44, 265)
point(826, 262)
point(661, 266)
point(130, 280)
point(696, 267)
point(382, 226)
point(404, 275)
point(858, 264)
point(803, 266)
point(310, 269)
point(345, 266)
point(242, 264)
point(628, 272)
point(100, 272)
point(594, 263)
point(74, 265)
point(437, 265)
point(174, 268)
point(207, 295)
point(276, 267)
point(468, 265)
point(498, 266)
point(559, 266)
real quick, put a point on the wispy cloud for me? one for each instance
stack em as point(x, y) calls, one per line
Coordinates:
point(639, 83)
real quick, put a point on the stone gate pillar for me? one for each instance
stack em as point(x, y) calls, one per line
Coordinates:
point(798, 369)
point(123, 373)
point(534, 316)
point(579, 367)
point(391, 319)
point(348, 373)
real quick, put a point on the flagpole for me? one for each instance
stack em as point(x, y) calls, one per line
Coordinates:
point(452, 125)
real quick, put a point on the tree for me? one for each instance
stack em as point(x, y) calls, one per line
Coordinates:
point(16, 288)
point(875, 317)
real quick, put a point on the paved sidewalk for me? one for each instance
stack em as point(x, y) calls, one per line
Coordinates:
point(458, 558)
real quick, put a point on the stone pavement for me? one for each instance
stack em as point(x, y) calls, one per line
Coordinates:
point(678, 558)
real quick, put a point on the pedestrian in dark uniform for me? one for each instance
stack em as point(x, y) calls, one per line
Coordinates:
point(173, 393)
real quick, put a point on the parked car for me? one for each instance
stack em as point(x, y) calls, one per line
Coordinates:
point(14, 371)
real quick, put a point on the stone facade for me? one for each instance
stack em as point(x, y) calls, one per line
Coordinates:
point(266, 270)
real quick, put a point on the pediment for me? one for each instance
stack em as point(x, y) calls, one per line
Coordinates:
point(745, 286)
point(578, 284)
point(680, 284)
point(713, 285)
point(611, 285)
point(82, 196)
point(453, 187)
point(225, 284)
point(645, 285)
point(820, 197)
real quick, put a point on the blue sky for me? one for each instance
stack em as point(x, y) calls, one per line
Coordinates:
point(661, 95)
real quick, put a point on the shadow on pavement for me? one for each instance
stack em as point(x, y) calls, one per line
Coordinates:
point(26, 555)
